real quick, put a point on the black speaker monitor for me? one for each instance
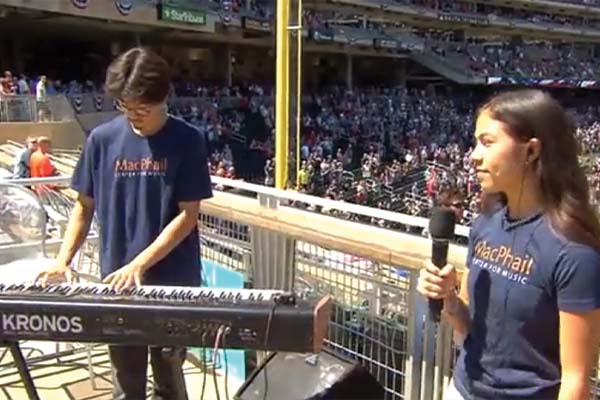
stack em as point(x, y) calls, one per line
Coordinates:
point(322, 376)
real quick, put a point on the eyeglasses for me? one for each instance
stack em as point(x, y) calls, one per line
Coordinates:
point(142, 110)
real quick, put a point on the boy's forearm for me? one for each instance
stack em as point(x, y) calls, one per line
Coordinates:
point(77, 229)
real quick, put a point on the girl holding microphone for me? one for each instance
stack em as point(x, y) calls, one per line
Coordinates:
point(528, 305)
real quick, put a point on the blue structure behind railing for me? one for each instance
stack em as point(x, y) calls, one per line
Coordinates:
point(217, 276)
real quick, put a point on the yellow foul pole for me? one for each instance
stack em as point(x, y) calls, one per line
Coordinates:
point(299, 92)
point(282, 95)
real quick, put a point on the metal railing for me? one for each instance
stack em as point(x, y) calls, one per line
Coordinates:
point(378, 319)
point(26, 108)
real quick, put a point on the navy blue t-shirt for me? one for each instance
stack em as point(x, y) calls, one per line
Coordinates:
point(521, 273)
point(136, 183)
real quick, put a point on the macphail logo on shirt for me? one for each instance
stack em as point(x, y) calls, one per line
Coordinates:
point(143, 167)
point(502, 261)
point(41, 323)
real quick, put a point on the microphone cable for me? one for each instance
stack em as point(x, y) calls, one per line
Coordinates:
point(224, 347)
point(268, 331)
point(278, 299)
point(215, 354)
point(204, 366)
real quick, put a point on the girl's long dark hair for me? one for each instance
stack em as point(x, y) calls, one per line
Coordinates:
point(535, 114)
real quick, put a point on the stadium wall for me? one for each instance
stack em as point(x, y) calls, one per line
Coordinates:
point(91, 120)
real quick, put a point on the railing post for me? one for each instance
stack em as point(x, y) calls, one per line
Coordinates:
point(429, 353)
point(448, 359)
point(272, 255)
point(3, 115)
point(414, 348)
point(438, 382)
point(437, 356)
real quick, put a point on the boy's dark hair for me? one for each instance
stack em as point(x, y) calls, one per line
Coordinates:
point(139, 74)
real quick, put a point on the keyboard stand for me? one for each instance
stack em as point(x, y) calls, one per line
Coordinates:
point(21, 365)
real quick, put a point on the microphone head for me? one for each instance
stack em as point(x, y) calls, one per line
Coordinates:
point(441, 223)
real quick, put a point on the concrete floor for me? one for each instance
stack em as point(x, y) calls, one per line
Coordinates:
point(69, 379)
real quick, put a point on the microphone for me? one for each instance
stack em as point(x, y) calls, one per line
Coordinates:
point(441, 230)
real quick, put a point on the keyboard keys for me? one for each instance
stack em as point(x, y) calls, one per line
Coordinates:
point(171, 294)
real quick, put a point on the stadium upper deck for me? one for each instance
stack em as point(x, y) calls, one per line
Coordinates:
point(474, 42)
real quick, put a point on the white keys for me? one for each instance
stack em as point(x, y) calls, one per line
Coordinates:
point(167, 292)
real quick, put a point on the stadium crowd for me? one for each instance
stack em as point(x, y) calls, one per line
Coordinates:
point(392, 148)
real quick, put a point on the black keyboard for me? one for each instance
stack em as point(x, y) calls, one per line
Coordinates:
point(165, 315)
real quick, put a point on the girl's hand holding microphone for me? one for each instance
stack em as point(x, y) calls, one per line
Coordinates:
point(436, 283)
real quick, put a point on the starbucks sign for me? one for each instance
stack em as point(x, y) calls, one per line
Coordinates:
point(181, 15)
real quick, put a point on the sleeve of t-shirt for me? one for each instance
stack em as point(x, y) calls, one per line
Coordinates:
point(577, 278)
point(83, 175)
point(193, 179)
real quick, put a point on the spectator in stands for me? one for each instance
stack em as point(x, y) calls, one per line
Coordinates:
point(41, 96)
point(41, 165)
point(7, 89)
point(22, 167)
point(7, 85)
point(453, 199)
point(270, 173)
point(23, 85)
